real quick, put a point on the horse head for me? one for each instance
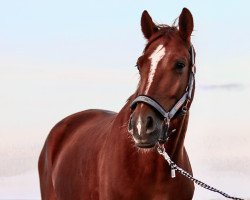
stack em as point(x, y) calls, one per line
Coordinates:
point(164, 67)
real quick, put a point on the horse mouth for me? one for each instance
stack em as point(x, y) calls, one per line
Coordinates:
point(145, 145)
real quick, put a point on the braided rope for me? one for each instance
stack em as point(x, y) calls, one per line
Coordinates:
point(161, 150)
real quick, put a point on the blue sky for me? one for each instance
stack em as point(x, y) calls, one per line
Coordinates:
point(60, 57)
point(56, 31)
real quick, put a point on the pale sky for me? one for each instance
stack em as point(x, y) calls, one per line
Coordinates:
point(60, 57)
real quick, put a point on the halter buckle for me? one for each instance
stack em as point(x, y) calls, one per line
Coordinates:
point(185, 107)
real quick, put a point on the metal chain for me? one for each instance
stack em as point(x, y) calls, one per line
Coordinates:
point(161, 150)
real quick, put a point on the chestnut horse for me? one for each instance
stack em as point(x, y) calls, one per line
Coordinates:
point(103, 155)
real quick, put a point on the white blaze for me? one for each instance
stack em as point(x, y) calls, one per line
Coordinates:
point(155, 58)
point(139, 126)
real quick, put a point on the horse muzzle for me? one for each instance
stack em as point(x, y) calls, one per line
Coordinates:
point(145, 126)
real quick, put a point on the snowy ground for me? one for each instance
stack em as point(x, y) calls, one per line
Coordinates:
point(26, 185)
point(229, 173)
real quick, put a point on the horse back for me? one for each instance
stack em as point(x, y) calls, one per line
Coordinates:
point(72, 143)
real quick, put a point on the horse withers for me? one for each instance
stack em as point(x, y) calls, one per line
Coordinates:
point(102, 155)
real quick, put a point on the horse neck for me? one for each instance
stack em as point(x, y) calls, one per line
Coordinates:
point(175, 145)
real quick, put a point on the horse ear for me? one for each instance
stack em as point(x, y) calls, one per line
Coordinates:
point(186, 24)
point(147, 25)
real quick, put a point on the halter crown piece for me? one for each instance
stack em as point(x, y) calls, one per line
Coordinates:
point(182, 103)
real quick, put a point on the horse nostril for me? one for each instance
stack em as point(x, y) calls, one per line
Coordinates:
point(150, 126)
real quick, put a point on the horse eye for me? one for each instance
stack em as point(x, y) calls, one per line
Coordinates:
point(179, 66)
point(138, 67)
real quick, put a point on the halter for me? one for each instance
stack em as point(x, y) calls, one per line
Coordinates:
point(181, 104)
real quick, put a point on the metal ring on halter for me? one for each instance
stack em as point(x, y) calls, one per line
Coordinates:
point(185, 107)
point(167, 121)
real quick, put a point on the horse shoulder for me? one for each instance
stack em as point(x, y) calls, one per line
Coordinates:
point(66, 127)
point(61, 134)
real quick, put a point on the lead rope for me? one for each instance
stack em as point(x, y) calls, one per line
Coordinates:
point(161, 150)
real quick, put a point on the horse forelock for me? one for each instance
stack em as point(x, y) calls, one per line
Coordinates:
point(163, 31)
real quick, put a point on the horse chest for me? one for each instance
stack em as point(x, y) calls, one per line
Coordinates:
point(127, 179)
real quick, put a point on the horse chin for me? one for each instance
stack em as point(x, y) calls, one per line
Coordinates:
point(145, 145)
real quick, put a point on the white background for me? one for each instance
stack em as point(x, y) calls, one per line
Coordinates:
point(60, 57)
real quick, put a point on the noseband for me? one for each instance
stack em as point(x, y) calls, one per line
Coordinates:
point(181, 105)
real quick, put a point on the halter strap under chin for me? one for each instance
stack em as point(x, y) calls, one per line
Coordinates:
point(181, 103)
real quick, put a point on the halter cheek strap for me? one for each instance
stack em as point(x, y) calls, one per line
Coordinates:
point(181, 103)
